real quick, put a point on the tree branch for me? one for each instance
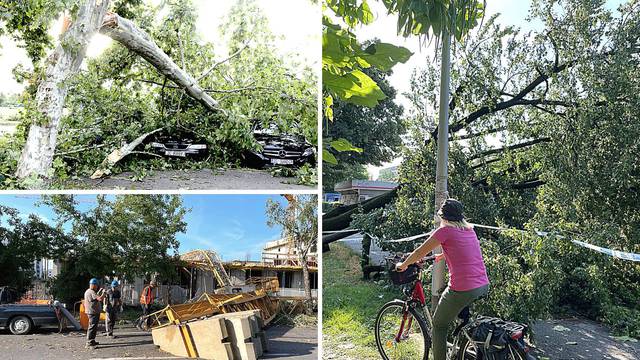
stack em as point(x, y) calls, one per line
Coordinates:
point(511, 147)
point(80, 150)
point(207, 72)
point(516, 100)
point(133, 38)
point(480, 133)
point(118, 154)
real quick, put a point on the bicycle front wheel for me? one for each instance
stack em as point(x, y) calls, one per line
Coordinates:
point(401, 333)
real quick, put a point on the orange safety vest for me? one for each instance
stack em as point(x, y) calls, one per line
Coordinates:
point(147, 296)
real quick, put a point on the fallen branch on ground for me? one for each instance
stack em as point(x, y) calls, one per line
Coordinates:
point(118, 154)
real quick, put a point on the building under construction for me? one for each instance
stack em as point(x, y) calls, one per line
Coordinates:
point(279, 273)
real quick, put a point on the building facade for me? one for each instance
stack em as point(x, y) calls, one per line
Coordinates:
point(356, 191)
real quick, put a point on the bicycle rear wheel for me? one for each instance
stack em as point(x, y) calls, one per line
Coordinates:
point(401, 333)
point(469, 351)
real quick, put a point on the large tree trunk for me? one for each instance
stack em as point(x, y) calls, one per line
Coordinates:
point(135, 39)
point(37, 154)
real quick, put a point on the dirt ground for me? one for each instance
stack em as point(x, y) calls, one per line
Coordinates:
point(579, 339)
point(205, 179)
point(284, 343)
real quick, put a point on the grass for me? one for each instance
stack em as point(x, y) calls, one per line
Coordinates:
point(350, 306)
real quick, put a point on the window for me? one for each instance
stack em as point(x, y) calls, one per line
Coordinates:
point(313, 280)
point(285, 278)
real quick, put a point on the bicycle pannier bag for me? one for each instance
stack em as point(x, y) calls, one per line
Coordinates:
point(493, 336)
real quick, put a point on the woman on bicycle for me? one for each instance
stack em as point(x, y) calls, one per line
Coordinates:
point(467, 273)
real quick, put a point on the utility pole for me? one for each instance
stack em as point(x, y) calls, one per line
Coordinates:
point(441, 193)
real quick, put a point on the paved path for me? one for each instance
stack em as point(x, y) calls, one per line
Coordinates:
point(205, 179)
point(131, 344)
point(577, 339)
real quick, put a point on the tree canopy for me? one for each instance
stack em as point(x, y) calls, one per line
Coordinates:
point(543, 136)
point(125, 236)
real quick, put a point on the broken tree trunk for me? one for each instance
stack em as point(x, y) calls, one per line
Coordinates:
point(136, 40)
point(118, 154)
point(64, 62)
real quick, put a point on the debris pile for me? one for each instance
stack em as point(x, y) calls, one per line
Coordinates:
point(221, 337)
point(215, 326)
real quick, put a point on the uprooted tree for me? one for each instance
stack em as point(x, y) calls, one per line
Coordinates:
point(138, 81)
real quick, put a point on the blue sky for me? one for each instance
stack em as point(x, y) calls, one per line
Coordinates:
point(233, 225)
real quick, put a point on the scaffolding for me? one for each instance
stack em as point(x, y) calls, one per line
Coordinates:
point(212, 304)
point(208, 260)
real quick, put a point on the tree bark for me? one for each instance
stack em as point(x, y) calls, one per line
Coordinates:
point(118, 154)
point(136, 40)
point(511, 147)
point(305, 281)
point(64, 62)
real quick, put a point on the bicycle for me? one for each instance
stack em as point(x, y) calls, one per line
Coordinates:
point(403, 327)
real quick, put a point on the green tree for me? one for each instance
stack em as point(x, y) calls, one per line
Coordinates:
point(388, 174)
point(299, 222)
point(128, 236)
point(123, 95)
point(344, 60)
point(22, 242)
point(377, 130)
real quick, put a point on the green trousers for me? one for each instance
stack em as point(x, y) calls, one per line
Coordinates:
point(450, 305)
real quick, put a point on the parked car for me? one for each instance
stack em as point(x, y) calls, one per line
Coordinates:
point(21, 319)
point(178, 144)
point(280, 149)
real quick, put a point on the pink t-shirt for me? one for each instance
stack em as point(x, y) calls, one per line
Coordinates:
point(463, 256)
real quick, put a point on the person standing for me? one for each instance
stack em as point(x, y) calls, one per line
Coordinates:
point(112, 306)
point(146, 299)
point(92, 309)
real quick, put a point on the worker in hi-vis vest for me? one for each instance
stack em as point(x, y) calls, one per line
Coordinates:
point(146, 299)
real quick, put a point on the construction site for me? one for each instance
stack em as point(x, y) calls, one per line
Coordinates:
point(219, 310)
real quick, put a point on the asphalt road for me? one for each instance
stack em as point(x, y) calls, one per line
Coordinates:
point(131, 344)
point(577, 339)
point(205, 179)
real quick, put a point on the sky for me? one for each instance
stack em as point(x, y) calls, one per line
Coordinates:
point(295, 34)
point(384, 28)
point(235, 226)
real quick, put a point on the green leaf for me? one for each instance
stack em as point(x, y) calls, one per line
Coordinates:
point(384, 55)
point(344, 145)
point(328, 107)
point(328, 157)
point(333, 53)
point(354, 87)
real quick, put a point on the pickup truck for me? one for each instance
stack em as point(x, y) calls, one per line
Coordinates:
point(21, 319)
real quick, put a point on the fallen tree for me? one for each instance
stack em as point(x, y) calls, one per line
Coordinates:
point(136, 40)
point(139, 83)
point(37, 154)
